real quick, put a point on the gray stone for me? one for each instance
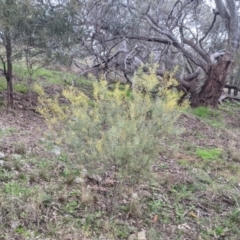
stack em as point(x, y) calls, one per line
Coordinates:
point(56, 151)
point(42, 140)
point(1, 163)
point(133, 237)
point(142, 235)
point(78, 180)
point(14, 224)
point(2, 155)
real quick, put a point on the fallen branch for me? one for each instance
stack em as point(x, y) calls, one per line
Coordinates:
point(227, 96)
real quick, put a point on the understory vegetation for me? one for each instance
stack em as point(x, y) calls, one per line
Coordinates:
point(118, 131)
point(110, 162)
point(119, 120)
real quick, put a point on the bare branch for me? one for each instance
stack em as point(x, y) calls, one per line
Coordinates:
point(193, 75)
point(197, 49)
point(208, 31)
point(222, 9)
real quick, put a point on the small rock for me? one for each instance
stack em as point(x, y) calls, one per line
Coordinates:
point(102, 237)
point(135, 196)
point(14, 224)
point(84, 173)
point(133, 237)
point(42, 140)
point(56, 150)
point(142, 235)
point(2, 155)
point(79, 180)
point(1, 163)
point(16, 157)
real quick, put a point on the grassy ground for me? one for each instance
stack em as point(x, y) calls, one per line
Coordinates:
point(195, 192)
point(46, 77)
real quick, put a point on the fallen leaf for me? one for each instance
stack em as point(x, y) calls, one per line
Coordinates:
point(192, 214)
point(155, 219)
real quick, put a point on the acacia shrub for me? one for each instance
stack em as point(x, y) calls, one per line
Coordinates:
point(117, 130)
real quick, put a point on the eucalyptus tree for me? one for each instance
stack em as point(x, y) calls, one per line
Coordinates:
point(175, 32)
point(178, 25)
point(39, 29)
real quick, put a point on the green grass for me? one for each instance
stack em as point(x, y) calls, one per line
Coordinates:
point(7, 132)
point(209, 154)
point(210, 116)
point(20, 71)
point(19, 87)
point(44, 77)
point(203, 112)
point(3, 84)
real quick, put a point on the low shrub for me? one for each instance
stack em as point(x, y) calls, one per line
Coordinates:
point(118, 130)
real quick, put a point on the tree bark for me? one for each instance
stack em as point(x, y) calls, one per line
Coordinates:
point(8, 74)
point(214, 84)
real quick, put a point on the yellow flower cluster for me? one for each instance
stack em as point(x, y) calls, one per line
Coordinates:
point(119, 126)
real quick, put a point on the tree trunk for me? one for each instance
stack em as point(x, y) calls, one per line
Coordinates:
point(214, 84)
point(8, 47)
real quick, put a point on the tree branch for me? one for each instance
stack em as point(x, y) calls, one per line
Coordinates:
point(187, 54)
point(210, 28)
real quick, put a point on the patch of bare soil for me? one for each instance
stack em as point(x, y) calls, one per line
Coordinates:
point(202, 134)
point(23, 126)
point(233, 120)
point(20, 129)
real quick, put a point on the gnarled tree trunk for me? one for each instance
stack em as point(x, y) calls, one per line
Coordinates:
point(214, 84)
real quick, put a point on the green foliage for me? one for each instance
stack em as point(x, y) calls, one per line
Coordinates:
point(155, 206)
point(21, 88)
point(7, 131)
point(15, 189)
point(45, 77)
point(209, 154)
point(3, 84)
point(235, 216)
point(70, 207)
point(20, 71)
point(115, 130)
point(25, 37)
